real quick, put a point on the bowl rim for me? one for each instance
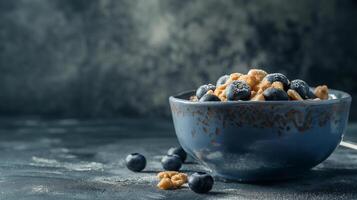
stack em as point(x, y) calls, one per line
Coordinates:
point(344, 96)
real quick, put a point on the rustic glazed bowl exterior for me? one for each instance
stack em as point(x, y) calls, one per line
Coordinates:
point(257, 141)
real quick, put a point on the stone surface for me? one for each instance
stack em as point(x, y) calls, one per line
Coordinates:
point(76, 159)
point(90, 58)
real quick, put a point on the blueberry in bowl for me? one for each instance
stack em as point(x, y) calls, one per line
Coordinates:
point(203, 89)
point(278, 77)
point(222, 80)
point(300, 87)
point(209, 97)
point(282, 134)
point(274, 94)
point(238, 90)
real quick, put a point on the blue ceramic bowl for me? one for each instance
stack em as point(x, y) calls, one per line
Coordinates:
point(257, 141)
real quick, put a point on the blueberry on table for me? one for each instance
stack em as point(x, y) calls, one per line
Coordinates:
point(222, 80)
point(300, 87)
point(200, 182)
point(278, 77)
point(203, 89)
point(209, 97)
point(171, 162)
point(274, 94)
point(238, 90)
point(135, 162)
point(178, 151)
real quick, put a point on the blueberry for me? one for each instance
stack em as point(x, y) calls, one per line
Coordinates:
point(209, 97)
point(274, 94)
point(202, 90)
point(310, 94)
point(200, 182)
point(300, 87)
point(135, 162)
point(278, 77)
point(222, 80)
point(238, 90)
point(178, 151)
point(171, 162)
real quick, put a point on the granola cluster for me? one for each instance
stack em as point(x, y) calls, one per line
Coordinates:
point(171, 180)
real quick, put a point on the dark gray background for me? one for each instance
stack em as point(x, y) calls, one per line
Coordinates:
point(107, 58)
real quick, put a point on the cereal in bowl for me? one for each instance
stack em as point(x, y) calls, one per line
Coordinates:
point(258, 85)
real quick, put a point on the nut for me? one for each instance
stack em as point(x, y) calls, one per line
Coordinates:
point(258, 97)
point(294, 95)
point(257, 73)
point(171, 180)
point(277, 85)
point(222, 87)
point(260, 91)
point(233, 77)
point(183, 176)
point(179, 179)
point(210, 92)
point(218, 92)
point(166, 174)
point(263, 85)
point(321, 92)
point(250, 80)
point(165, 184)
point(252, 94)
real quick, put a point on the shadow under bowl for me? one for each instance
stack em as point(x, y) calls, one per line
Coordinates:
point(259, 141)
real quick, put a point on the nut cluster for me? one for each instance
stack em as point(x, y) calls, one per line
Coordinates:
point(171, 180)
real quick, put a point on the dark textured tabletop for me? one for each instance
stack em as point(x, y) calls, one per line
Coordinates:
point(76, 159)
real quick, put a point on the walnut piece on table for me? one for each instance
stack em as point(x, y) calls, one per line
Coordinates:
point(171, 180)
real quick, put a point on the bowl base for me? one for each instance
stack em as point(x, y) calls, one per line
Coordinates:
point(261, 178)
